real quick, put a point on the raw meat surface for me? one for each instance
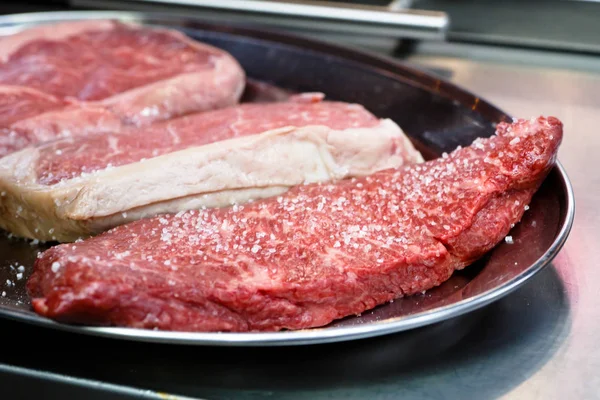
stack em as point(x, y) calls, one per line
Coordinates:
point(304, 259)
point(18, 103)
point(96, 76)
point(98, 61)
point(69, 158)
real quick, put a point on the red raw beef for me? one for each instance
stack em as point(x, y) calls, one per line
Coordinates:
point(75, 78)
point(313, 255)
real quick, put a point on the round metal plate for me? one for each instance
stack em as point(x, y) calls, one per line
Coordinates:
point(437, 116)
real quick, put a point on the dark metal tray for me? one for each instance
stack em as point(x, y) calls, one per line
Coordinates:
point(436, 115)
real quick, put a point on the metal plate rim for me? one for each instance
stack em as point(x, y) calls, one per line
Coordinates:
point(314, 335)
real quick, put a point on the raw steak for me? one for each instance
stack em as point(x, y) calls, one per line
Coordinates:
point(308, 257)
point(105, 73)
point(21, 103)
point(74, 187)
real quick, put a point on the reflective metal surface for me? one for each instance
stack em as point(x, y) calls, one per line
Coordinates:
point(393, 19)
point(437, 115)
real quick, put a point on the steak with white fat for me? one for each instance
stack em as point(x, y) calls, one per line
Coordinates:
point(75, 187)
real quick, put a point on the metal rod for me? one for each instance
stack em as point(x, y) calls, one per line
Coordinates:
point(408, 22)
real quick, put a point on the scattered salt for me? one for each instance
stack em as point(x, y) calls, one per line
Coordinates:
point(55, 266)
point(19, 276)
point(509, 240)
point(3, 294)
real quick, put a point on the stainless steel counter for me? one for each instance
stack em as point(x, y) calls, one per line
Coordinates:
point(555, 353)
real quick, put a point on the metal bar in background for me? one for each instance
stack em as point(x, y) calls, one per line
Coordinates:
point(394, 20)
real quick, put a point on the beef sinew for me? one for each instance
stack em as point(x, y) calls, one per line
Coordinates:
point(75, 187)
point(74, 78)
point(301, 260)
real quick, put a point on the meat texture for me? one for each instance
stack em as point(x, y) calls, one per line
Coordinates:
point(74, 78)
point(75, 187)
point(315, 254)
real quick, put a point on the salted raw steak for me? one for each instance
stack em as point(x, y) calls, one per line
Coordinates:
point(75, 187)
point(75, 78)
point(301, 260)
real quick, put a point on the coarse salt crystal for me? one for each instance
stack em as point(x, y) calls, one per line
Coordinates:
point(255, 248)
point(509, 240)
point(514, 141)
point(21, 268)
point(3, 294)
point(19, 276)
point(526, 207)
point(55, 266)
point(337, 244)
